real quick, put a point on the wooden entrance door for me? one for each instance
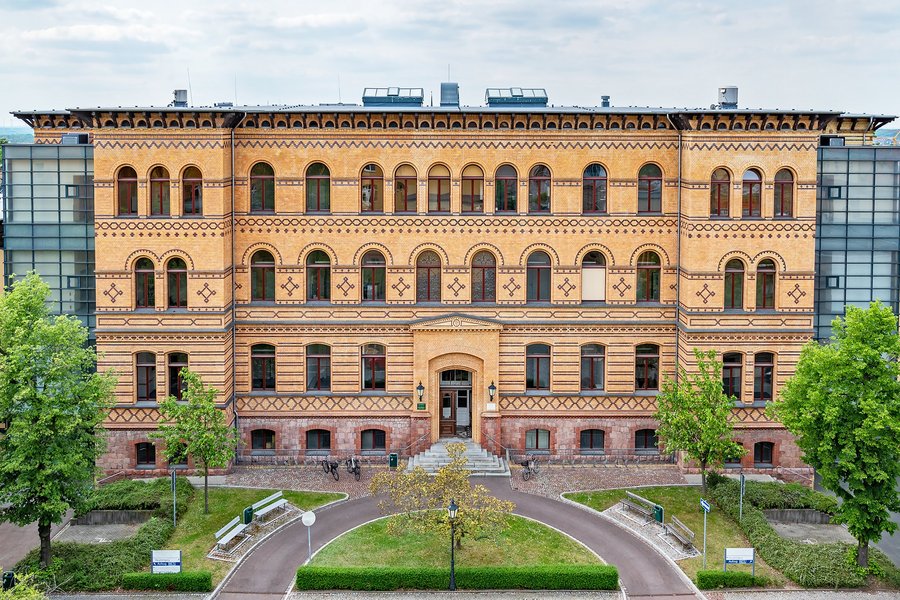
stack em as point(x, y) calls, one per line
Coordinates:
point(448, 413)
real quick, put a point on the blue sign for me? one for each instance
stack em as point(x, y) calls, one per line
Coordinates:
point(165, 561)
point(705, 505)
point(739, 556)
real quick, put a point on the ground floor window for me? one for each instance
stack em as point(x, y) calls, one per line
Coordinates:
point(592, 439)
point(762, 454)
point(146, 454)
point(373, 440)
point(646, 441)
point(318, 439)
point(262, 440)
point(537, 439)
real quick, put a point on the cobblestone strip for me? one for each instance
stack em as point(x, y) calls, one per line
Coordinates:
point(302, 479)
point(552, 481)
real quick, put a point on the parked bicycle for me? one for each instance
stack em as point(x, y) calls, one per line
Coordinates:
point(330, 466)
point(529, 467)
point(353, 467)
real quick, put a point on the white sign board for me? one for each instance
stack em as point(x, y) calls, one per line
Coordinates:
point(704, 505)
point(738, 556)
point(165, 561)
point(308, 518)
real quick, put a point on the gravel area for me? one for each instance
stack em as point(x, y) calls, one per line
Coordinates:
point(651, 531)
point(813, 534)
point(510, 595)
point(96, 534)
point(302, 479)
point(550, 482)
point(803, 595)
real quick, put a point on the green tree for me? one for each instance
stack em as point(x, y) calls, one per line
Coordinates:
point(25, 589)
point(195, 427)
point(422, 500)
point(694, 415)
point(52, 404)
point(843, 404)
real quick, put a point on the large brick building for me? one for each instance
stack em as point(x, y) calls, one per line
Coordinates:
point(369, 278)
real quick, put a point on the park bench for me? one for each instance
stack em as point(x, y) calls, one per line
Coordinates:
point(266, 505)
point(638, 504)
point(680, 531)
point(233, 529)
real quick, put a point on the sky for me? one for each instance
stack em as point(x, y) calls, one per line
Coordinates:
point(822, 54)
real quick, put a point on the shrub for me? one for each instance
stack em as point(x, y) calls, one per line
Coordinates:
point(789, 495)
point(155, 495)
point(707, 580)
point(549, 577)
point(93, 567)
point(186, 581)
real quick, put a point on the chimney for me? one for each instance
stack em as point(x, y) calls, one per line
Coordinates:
point(450, 94)
point(180, 98)
point(728, 97)
point(604, 101)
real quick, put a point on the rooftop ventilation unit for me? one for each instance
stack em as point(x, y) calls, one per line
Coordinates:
point(180, 98)
point(393, 96)
point(450, 94)
point(224, 105)
point(728, 97)
point(604, 101)
point(516, 96)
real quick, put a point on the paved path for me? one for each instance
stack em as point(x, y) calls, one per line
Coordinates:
point(267, 573)
point(16, 542)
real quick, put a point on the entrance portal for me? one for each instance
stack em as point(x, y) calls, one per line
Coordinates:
point(456, 402)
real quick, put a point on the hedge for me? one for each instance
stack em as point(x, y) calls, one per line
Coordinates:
point(707, 580)
point(156, 495)
point(186, 581)
point(546, 577)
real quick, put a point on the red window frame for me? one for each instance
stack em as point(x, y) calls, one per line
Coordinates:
point(502, 195)
point(377, 190)
point(423, 277)
point(156, 193)
point(144, 286)
point(643, 361)
point(481, 272)
point(732, 373)
point(763, 374)
point(719, 196)
point(751, 196)
point(127, 187)
point(318, 291)
point(734, 298)
point(192, 195)
point(763, 453)
point(441, 181)
point(646, 181)
point(784, 195)
point(314, 363)
point(316, 182)
point(592, 202)
point(260, 272)
point(145, 454)
point(261, 180)
point(175, 365)
point(538, 364)
point(145, 364)
point(590, 360)
point(468, 193)
point(370, 361)
point(596, 439)
point(402, 194)
point(647, 271)
point(765, 285)
point(176, 278)
point(537, 186)
point(261, 359)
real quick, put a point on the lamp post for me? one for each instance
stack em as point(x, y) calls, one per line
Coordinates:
point(451, 511)
point(420, 390)
point(492, 389)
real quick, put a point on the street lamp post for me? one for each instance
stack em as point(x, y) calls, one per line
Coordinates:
point(451, 511)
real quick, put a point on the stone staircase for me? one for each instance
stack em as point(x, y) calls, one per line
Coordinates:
point(481, 462)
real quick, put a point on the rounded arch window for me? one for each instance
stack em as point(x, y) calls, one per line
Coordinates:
point(538, 277)
point(176, 275)
point(646, 367)
point(539, 189)
point(472, 189)
point(593, 189)
point(192, 191)
point(371, 189)
point(765, 284)
point(373, 276)
point(484, 277)
point(176, 362)
point(159, 191)
point(784, 194)
point(262, 188)
point(318, 188)
point(650, 189)
point(439, 189)
point(262, 276)
point(428, 277)
point(732, 365)
point(648, 275)
point(145, 365)
point(593, 277)
point(751, 193)
point(505, 181)
point(734, 284)
point(144, 283)
point(262, 441)
point(127, 184)
point(719, 193)
point(318, 276)
point(405, 186)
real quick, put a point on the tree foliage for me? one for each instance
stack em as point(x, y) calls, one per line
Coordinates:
point(195, 427)
point(694, 414)
point(24, 589)
point(422, 500)
point(843, 404)
point(52, 404)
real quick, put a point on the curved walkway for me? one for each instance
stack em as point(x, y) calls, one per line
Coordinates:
point(267, 573)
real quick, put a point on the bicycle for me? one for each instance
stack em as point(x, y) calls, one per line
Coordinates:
point(330, 467)
point(353, 467)
point(530, 467)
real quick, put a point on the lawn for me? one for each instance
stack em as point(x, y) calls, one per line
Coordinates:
point(523, 543)
point(684, 503)
point(195, 533)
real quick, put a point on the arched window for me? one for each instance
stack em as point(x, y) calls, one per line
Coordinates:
point(428, 277)
point(318, 439)
point(373, 367)
point(192, 191)
point(537, 439)
point(765, 284)
point(405, 189)
point(719, 187)
point(763, 453)
point(371, 189)
point(176, 274)
point(318, 367)
point(127, 182)
point(734, 284)
point(318, 276)
point(593, 277)
point(159, 191)
point(262, 440)
point(763, 375)
point(177, 362)
point(646, 441)
point(373, 274)
point(145, 454)
point(505, 181)
point(732, 365)
point(318, 188)
point(484, 277)
point(593, 366)
point(593, 190)
point(473, 189)
point(145, 377)
point(751, 193)
point(439, 189)
point(784, 194)
point(648, 273)
point(649, 189)
point(646, 367)
point(538, 278)
point(537, 367)
point(144, 284)
point(372, 440)
point(262, 276)
point(539, 190)
point(591, 439)
point(262, 367)
point(262, 188)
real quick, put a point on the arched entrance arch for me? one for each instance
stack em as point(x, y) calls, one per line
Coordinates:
point(457, 380)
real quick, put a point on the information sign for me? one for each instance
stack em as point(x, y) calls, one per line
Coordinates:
point(705, 505)
point(165, 561)
point(739, 556)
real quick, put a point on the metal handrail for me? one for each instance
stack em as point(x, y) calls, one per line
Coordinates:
point(411, 444)
point(302, 457)
point(576, 456)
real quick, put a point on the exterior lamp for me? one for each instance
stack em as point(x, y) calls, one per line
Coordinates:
point(492, 389)
point(451, 512)
point(420, 390)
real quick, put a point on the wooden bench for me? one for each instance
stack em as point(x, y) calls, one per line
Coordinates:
point(233, 529)
point(267, 505)
point(681, 532)
point(638, 504)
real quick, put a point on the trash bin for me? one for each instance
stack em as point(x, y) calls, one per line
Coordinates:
point(247, 516)
point(658, 513)
point(9, 580)
point(393, 460)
